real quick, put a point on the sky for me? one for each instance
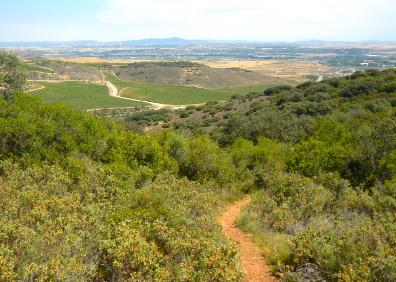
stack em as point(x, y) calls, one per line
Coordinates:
point(256, 20)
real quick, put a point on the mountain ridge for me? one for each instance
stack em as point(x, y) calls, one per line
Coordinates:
point(174, 41)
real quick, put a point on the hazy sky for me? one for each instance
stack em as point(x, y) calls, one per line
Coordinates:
point(353, 20)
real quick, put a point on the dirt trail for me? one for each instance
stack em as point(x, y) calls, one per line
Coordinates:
point(113, 91)
point(35, 89)
point(254, 266)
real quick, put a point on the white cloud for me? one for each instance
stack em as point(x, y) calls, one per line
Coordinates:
point(253, 19)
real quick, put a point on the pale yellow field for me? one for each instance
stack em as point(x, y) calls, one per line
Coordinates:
point(295, 70)
point(83, 60)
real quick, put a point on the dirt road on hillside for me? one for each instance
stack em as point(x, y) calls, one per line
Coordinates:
point(113, 91)
point(254, 266)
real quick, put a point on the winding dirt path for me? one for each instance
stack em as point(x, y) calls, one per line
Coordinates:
point(254, 266)
point(113, 92)
point(35, 89)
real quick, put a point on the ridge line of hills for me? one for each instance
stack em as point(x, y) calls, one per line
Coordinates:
point(175, 41)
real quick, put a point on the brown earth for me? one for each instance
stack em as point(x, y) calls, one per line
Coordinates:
point(254, 266)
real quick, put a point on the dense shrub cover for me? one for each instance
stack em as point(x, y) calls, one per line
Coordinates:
point(327, 210)
point(84, 199)
point(102, 229)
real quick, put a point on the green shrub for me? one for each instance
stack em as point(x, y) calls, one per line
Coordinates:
point(276, 90)
point(204, 160)
point(184, 114)
point(101, 228)
point(356, 249)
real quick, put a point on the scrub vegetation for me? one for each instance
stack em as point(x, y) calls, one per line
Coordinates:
point(84, 198)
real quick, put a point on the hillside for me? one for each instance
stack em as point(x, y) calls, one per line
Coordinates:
point(168, 94)
point(371, 93)
point(190, 74)
point(162, 83)
point(89, 199)
point(319, 160)
point(59, 70)
point(85, 199)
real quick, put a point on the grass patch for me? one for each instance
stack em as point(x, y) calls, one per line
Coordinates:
point(176, 95)
point(273, 246)
point(81, 96)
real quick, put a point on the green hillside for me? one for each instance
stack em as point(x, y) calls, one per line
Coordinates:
point(319, 160)
point(181, 73)
point(176, 95)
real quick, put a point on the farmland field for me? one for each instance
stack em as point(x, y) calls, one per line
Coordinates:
point(286, 70)
point(175, 95)
point(81, 96)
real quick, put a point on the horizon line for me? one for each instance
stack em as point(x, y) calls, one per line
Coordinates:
point(367, 41)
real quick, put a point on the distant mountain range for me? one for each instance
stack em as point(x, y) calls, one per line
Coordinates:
point(173, 41)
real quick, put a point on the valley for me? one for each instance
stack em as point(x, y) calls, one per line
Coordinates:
point(211, 170)
point(180, 75)
point(144, 83)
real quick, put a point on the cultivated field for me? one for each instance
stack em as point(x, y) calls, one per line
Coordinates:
point(81, 96)
point(289, 70)
point(175, 95)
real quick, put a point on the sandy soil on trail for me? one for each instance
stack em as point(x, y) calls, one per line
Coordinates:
point(254, 266)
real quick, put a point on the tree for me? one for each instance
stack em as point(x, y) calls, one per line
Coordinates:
point(204, 160)
point(12, 76)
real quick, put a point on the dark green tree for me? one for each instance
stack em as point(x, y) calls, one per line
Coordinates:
point(12, 76)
